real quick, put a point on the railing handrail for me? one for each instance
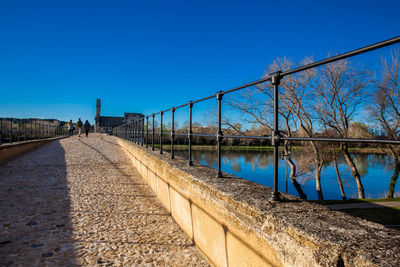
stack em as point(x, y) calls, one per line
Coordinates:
point(37, 130)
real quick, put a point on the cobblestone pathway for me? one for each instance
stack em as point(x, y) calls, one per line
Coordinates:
point(78, 201)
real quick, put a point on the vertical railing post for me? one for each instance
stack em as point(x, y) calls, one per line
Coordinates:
point(11, 126)
point(19, 132)
point(31, 130)
point(134, 125)
point(172, 133)
point(161, 131)
point(132, 131)
point(219, 96)
point(1, 131)
point(190, 133)
point(147, 131)
point(136, 131)
point(152, 135)
point(142, 131)
point(275, 81)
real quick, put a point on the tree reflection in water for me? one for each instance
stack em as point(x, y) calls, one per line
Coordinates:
point(256, 166)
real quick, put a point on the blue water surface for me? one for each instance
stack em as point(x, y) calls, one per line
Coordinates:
point(257, 166)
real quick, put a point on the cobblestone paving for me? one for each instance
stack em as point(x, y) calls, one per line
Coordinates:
point(78, 201)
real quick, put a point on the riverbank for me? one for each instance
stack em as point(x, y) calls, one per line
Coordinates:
point(362, 150)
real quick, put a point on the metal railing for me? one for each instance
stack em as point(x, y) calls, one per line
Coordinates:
point(134, 131)
point(18, 130)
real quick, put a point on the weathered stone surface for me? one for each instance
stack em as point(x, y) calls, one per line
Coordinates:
point(239, 214)
point(79, 202)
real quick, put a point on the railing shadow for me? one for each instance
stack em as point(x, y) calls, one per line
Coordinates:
point(385, 213)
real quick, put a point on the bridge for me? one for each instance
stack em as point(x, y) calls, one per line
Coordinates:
point(102, 200)
point(78, 201)
point(114, 200)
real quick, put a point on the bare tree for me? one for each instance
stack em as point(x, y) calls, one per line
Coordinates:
point(386, 109)
point(295, 97)
point(339, 91)
point(257, 105)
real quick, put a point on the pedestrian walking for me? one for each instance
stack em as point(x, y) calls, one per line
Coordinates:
point(87, 127)
point(70, 128)
point(79, 124)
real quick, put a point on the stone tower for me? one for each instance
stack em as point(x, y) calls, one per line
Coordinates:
point(97, 118)
point(98, 105)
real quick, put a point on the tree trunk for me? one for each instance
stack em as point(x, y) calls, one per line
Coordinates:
point(318, 180)
point(292, 174)
point(393, 180)
point(354, 172)
point(338, 178)
point(318, 167)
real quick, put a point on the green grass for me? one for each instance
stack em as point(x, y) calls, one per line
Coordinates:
point(230, 148)
point(379, 215)
point(367, 150)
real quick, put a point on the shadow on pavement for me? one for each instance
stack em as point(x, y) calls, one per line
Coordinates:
point(35, 223)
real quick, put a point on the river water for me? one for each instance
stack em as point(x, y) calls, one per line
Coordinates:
point(375, 169)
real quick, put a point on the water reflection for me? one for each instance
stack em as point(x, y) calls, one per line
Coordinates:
point(256, 166)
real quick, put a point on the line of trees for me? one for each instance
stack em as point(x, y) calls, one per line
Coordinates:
point(320, 102)
point(324, 102)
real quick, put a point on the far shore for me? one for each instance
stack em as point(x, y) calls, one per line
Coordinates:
point(361, 150)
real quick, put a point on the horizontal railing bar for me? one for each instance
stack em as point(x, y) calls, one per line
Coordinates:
point(343, 56)
point(317, 139)
point(355, 140)
point(181, 134)
point(165, 110)
point(248, 137)
point(181, 106)
point(204, 135)
point(246, 85)
point(203, 99)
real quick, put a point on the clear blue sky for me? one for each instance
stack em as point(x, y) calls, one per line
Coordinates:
point(57, 57)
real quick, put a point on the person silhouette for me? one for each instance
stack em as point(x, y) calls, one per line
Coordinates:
point(87, 127)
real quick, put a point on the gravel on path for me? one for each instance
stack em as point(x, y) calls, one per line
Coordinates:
point(79, 202)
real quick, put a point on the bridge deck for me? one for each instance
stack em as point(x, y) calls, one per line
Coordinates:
point(78, 201)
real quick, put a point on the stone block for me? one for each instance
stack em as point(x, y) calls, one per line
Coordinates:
point(181, 211)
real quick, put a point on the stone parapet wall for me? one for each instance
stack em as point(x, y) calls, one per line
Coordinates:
point(233, 223)
point(10, 151)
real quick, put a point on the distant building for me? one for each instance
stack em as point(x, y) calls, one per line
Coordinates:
point(105, 124)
